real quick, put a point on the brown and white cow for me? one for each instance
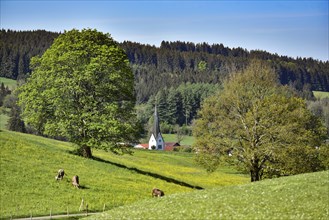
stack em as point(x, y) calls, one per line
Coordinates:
point(157, 192)
point(75, 181)
point(60, 174)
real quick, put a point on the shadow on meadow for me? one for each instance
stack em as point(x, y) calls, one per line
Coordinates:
point(154, 175)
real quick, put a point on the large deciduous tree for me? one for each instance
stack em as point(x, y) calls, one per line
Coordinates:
point(82, 88)
point(258, 125)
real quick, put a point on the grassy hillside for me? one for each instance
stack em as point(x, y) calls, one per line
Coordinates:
point(178, 166)
point(187, 140)
point(298, 197)
point(3, 120)
point(321, 95)
point(29, 165)
point(12, 84)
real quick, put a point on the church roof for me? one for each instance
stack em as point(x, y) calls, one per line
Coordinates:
point(144, 146)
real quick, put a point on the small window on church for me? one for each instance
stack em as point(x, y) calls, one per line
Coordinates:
point(159, 146)
point(160, 140)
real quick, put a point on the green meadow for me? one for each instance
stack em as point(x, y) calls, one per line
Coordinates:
point(121, 185)
point(187, 140)
point(297, 197)
point(12, 84)
point(29, 165)
point(320, 94)
point(3, 120)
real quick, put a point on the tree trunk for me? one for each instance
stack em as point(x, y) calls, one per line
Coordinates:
point(255, 170)
point(255, 175)
point(85, 151)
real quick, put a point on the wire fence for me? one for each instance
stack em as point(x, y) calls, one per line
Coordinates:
point(60, 214)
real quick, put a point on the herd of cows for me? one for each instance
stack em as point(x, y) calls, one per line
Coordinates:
point(75, 182)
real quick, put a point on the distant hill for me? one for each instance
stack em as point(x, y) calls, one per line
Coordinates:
point(171, 64)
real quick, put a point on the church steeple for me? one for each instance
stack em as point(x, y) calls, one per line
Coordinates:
point(156, 125)
point(156, 140)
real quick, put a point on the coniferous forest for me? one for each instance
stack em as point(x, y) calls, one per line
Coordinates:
point(175, 75)
point(171, 64)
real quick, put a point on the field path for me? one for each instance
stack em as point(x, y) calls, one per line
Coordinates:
point(63, 216)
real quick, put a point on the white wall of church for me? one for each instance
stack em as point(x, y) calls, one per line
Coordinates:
point(159, 143)
point(152, 142)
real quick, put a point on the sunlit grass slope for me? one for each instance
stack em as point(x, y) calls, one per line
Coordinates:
point(29, 164)
point(12, 84)
point(28, 168)
point(298, 197)
point(3, 120)
point(179, 166)
point(187, 140)
point(320, 94)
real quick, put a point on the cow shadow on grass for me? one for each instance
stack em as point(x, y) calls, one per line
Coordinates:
point(68, 181)
point(83, 187)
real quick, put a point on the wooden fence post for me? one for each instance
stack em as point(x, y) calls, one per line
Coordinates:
point(86, 209)
point(81, 205)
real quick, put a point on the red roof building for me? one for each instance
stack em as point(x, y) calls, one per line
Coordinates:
point(169, 146)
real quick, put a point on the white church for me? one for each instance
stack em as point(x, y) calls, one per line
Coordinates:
point(156, 141)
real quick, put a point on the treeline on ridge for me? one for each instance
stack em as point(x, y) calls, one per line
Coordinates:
point(171, 64)
point(176, 76)
point(174, 63)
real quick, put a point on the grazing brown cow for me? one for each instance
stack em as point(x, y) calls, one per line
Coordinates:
point(157, 193)
point(75, 181)
point(60, 174)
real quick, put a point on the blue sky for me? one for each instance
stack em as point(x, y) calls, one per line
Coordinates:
point(286, 27)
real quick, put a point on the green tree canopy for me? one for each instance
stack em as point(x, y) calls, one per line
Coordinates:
point(258, 125)
point(82, 88)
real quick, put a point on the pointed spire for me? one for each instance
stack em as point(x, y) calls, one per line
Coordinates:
point(156, 125)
